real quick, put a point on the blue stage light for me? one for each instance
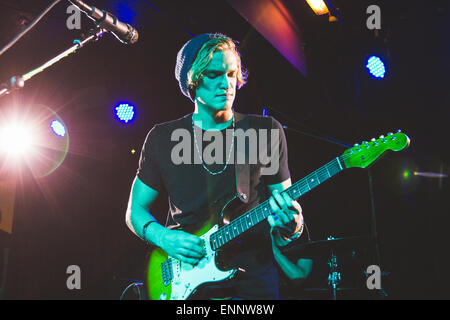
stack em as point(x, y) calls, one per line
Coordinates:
point(58, 128)
point(126, 10)
point(376, 67)
point(125, 112)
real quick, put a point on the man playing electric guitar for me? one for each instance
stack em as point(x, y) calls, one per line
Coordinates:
point(209, 72)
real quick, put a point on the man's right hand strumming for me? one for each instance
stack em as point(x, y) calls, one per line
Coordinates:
point(178, 244)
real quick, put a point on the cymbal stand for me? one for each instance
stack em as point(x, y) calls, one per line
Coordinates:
point(335, 276)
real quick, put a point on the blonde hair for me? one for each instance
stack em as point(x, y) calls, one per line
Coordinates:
point(204, 56)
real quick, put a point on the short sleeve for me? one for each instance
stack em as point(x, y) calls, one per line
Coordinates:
point(282, 173)
point(149, 171)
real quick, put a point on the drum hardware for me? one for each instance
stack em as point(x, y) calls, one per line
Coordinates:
point(331, 248)
point(335, 276)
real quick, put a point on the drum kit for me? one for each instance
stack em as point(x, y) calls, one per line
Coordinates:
point(333, 250)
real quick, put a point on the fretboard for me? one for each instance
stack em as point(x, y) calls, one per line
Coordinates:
point(254, 216)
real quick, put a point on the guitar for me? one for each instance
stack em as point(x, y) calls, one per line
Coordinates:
point(170, 279)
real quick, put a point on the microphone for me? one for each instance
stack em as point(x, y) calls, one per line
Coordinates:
point(105, 20)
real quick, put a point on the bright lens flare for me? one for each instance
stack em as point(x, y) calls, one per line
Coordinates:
point(16, 140)
point(31, 136)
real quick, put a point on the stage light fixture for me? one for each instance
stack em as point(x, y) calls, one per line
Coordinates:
point(375, 67)
point(318, 6)
point(58, 128)
point(125, 112)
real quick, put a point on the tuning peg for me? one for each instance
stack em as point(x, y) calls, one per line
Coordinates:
point(364, 142)
point(398, 131)
point(373, 139)
point(356, 144)
point(390, 134)
point(381, 137)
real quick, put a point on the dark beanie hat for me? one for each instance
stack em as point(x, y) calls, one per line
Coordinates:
point(186, 57)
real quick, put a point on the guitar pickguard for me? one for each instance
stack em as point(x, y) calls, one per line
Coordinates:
point(187, 278)
point(172, 279)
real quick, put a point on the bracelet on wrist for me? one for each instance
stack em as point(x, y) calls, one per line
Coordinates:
point(295, 235)
point(144, 228)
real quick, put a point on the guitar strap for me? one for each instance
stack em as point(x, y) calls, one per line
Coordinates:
point(242, 170)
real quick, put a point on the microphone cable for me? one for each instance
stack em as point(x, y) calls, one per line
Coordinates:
point(28, 28)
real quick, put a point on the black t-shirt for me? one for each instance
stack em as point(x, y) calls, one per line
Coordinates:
point(170, 161)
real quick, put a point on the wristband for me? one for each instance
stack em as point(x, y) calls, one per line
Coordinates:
point(296, 234)
point(144, 228)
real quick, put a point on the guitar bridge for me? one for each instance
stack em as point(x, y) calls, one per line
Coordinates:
point(167, 272)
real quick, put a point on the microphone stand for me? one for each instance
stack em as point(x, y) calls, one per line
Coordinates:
point(373, 229)
point(18, 82)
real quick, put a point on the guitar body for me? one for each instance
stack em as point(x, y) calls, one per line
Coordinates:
point(170, 279)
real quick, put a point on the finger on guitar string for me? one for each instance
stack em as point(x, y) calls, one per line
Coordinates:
point(293, 206)
point(185, 259)
point(280, 200)
point(193, 250)
point(271, 219)
point(274, 219)
point(285, 210)
point(189, 256)
point(182, 245)
point(284, 213)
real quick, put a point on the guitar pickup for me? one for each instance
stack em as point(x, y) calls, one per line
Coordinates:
point(167, 272)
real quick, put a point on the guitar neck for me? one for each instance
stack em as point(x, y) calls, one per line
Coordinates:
point(263, 210)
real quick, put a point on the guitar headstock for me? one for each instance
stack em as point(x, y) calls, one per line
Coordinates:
point(364, 154)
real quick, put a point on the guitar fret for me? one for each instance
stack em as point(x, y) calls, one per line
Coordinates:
point(241, 225)
point(251, 221)
point(226, 235)
point(328, 171)
point(295, 193)
point(261, 211)
point(312, 183)
point(309, 188)
point(219, 239)
point(256, 214)
point(335, 167)
point(305, 189)
point(337, 158)
point(323, 175)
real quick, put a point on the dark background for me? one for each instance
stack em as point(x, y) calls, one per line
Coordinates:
point(76, 215)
